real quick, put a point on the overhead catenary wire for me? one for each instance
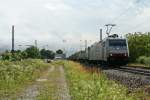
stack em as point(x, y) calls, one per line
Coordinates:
point(138, 25)
point(120, 15)
point(123, 13)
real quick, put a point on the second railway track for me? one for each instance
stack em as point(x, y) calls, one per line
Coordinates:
point(130, 77)
point(145, 72)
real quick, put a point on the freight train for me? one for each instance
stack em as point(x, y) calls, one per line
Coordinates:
point(111, 50)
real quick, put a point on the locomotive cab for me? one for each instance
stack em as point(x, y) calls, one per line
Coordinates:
point(117, 50)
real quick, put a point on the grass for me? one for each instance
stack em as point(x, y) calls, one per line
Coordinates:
point(50, 87)
point(84, 83)
point(15, 75)
point(138, 65)
point(141, 93)
point(90, 85)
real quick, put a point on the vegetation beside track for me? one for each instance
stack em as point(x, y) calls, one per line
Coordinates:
point(84, 83)
point(141, 62)
point(139, 45)
point(139, 48)
point(88, 84)
point(15, 75)
point(144, 60)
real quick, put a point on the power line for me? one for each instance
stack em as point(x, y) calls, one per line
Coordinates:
point(138, 25)
point(120, 15)
point(128, 9)
point(114, 20)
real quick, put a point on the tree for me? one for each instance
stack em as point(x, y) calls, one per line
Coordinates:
point(32, 52)
point(24, 55)
point(59, 51)
point(139, 45)
point(7, 55)
point(17, 55)
point(47, 54)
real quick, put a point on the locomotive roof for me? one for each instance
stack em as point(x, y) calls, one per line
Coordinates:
point(108, 38)
point(116, 38)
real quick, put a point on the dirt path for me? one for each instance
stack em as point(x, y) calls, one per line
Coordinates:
point(63, 91)
point(56, 86)
point(58, 90)
point(32, 91)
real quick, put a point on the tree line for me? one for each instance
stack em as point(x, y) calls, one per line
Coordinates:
point(139, 45)
point(31, 52)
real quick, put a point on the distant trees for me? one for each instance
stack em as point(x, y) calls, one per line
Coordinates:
point(139, 45)
point(47, 54)
point(6, 56)
point(24, 55)
point(30, 52)
point(59, 51)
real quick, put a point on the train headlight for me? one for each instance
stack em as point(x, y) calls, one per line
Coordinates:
point(125, 54)
point(111, 54)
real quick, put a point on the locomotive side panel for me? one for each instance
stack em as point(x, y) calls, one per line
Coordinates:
point(105, 50)
point(94, 52)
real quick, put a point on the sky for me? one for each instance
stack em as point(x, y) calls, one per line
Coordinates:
point(52, 21)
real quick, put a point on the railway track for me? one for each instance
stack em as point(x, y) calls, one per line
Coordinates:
point(130, 77)
point(140, 71)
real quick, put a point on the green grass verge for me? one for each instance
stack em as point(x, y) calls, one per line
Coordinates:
point(93, 86)
point(15, 75)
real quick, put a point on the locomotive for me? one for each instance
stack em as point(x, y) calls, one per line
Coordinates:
point(111, 50)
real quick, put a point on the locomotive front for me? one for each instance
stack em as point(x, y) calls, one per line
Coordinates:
point(118, 51)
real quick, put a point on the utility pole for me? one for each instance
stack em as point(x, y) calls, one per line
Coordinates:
point(64, 41)
point(85, 44)
point(80, 45)
point(36, 43)
point(13, 46)
point(101, 31)
point(148, 45)
point(65, 51)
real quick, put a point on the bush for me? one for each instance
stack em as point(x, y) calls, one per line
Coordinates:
point(33, 52)
point(6, 56)
point(47, 54)
point(144, 60)
point(14, 75)
point(141, 59)
point(139, 45)
point(147, 61)
point(18, 55)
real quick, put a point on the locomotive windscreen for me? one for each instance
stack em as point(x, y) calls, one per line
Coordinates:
point(117, 43)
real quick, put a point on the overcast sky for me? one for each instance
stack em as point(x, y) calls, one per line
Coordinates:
point(52, 21)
